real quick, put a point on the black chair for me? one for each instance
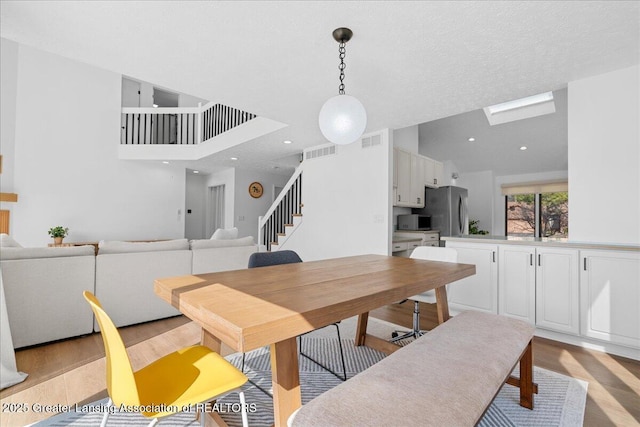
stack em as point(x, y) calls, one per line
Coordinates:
point(265, 259)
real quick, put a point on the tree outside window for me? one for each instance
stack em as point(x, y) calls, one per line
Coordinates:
point(548, 213)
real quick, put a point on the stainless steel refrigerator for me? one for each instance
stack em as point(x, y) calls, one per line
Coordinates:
point(447, 207)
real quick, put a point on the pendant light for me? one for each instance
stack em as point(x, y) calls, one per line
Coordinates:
point(342, 118)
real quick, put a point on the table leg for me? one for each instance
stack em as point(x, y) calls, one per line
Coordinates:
point(361, 329)
point(209, 340)
point(286, 380)
point(442, 304)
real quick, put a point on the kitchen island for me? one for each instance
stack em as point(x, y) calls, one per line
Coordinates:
point(584, 294)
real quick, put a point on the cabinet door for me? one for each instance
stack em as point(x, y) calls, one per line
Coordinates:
point(610, 296)
point(517, 282)
point(404, 178)
point(429, 172)
point(417, 180)
point(438, 174)
point(557, 287)
point(480, 291)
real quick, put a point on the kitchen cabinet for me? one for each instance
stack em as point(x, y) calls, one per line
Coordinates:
point(433, 173)
point(480, 291)
point(411, 174)
point(610, 296)
point(428, 238)
point(517, 282)
point(540, 286)
point(557, 289)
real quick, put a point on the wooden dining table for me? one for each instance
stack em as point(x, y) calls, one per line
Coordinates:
point(271, 306)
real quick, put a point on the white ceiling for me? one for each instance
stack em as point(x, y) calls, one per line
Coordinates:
point(408, 62)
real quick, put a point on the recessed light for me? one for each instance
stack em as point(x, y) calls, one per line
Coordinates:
point(165, 162)
point(196, 171)
point(155, 105)
point(234, 158)
point(472, 139)
point(523, 148)
point(286, 142)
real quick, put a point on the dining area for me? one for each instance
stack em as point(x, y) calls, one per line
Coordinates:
point(270, 306)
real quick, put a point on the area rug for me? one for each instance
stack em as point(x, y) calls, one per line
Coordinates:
point(560, 402)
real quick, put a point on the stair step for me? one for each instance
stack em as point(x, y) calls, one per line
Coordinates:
point(282, 234)
point(297, 215)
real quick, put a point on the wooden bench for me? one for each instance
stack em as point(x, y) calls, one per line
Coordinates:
point(448, 377)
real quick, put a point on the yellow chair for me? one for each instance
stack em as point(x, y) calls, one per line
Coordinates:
point(189, 376)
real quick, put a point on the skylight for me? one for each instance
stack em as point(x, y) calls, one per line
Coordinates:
point(518, 109)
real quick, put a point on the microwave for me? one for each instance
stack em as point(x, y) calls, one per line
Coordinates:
point(416, 222)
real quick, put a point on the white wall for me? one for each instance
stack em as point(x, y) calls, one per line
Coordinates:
point(66, 169)
point(195, 202)
point(8, 87)
point(347, 203)
point(604, 157)
point(407, 139)
point(248, 209)
point(481, 197)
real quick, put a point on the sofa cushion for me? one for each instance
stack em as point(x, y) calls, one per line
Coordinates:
point(7, 241)
point(208, 243)
point(119, 247)
point(33, 253)
point(225, 234)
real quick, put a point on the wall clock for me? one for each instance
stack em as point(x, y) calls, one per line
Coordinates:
point(255, 190)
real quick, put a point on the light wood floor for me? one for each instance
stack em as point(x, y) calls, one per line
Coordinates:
point(73, 371)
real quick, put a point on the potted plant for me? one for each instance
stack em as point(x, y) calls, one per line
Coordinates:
point(58, 233)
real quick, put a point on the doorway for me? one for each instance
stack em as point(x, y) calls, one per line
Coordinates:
point(215, 209)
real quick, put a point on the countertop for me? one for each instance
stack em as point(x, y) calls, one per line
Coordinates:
point(539, 241)
point(406, 239)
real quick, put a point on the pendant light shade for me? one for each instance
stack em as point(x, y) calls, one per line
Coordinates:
point(342, 119)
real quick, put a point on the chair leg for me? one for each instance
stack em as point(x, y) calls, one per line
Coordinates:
point(416, 332)
point(243, 408)
point(344, 366)
point(106, 413)
point(253, 382)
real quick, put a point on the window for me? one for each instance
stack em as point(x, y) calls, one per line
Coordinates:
point(537, 210)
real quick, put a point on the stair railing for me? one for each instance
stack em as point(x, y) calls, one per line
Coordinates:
point(179, 126)
point(287, 205)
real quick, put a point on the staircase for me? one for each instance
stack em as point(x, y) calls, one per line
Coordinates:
point(283, 217)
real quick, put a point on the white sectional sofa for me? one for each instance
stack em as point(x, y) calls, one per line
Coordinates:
point(43, 286)
point(43, 290)
point(125, 272)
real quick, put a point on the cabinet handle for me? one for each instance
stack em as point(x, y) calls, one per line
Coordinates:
point(539, 262)
point(418, 199)
point(585, 264)
point(398, 197)
point(435, 181)
point(494, 255)
point(530, 259)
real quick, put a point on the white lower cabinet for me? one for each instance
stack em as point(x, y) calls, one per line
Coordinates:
point(480, 291)
point(610, 296)
point(557, 290)
point(540, 286)
point(517, 282)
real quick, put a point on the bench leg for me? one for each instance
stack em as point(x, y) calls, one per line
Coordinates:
point(526, 378)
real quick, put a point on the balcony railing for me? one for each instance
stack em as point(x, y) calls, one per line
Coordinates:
point(179, 126)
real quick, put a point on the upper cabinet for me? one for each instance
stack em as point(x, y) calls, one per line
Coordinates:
point(433, 173)
point(411, 174)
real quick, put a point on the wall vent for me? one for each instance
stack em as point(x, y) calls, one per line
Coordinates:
point(371, 141)
point(328, 150)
